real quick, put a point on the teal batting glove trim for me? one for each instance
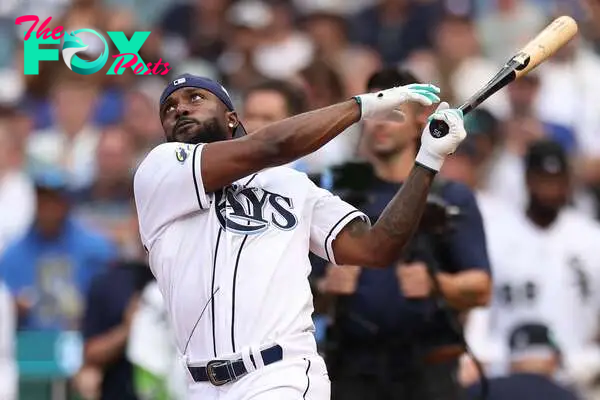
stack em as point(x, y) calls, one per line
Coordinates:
point(431, 96)
point(359, 102)
point(426, 87)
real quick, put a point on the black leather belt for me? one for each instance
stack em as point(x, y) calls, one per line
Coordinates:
point(220, 372)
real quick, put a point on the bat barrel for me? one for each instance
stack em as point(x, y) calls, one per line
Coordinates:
point(544, 45)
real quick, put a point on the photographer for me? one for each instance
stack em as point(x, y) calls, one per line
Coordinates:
point(393, 337)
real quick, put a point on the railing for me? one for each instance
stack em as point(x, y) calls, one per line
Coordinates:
point(46, 362)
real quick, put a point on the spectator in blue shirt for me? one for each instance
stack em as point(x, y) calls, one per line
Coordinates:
point(535, 360)
point(50, 268)
point(395, 338)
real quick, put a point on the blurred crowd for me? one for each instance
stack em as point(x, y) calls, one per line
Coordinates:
point(69, 143)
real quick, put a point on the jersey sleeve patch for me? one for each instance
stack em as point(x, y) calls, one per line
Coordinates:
point(182, 152)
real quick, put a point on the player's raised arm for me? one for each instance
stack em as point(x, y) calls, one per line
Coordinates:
point(382, 244)
point(196, 110)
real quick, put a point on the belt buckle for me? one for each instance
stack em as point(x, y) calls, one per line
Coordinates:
point(212, 376)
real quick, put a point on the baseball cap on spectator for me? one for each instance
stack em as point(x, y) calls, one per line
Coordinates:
point(478, 124)
point(467, 148)
point(189, 80)
point(481, 121)
point(532, 340)
point(546, 156)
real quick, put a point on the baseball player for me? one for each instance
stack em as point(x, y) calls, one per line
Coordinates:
point(547, 265)
point(228, 233)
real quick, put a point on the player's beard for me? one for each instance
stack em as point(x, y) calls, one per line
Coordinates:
point(199, 132)
point(543, 211)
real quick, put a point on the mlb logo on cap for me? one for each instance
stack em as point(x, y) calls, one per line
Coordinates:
point(178, 81)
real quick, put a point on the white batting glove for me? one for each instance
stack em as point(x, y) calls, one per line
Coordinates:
point(434, 150)
point(382, 104)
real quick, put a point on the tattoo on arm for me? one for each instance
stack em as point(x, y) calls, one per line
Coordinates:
point(382, 244)
point(401, 217)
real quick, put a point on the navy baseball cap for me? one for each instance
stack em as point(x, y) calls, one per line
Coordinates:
point(467, 148)
point(481, 121)
point(547, 156)
point(189, 80)
point(532, 339)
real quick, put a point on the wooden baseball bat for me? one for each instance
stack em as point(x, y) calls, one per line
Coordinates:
point(538, 50)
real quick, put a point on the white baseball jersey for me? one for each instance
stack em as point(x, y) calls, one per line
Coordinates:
point(550, 276)
point(233, 265)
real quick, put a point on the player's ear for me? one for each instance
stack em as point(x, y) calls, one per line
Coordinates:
point(232, 120)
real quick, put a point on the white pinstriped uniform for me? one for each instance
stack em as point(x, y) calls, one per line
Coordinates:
point(549, 276)
point(233, 266)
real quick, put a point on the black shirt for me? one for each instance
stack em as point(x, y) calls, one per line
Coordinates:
point(378, 309)
point(107, 301)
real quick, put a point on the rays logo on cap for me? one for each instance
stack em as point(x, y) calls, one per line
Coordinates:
point(178, 81)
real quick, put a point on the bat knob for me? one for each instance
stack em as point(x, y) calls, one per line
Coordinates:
point(438, 129)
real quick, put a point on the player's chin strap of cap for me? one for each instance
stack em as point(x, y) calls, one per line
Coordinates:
point(221, 372)
point(239, 130)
